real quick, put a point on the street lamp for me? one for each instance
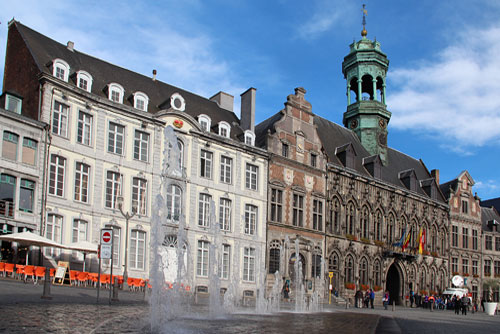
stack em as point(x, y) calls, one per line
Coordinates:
point(127, 216)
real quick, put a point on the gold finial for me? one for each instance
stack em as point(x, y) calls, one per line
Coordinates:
point(365, 12)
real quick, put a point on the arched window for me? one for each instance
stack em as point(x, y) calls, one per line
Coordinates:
point(367, 87)
point(335, 216)
point(349, 269)
point(274, 256)
point(363, 271)
point(204, 121)
point(402, 227)
point(423, 279)
point(141, 101)
point(300, 263)
point(180, 145)
point(377, 273)
point(378, 225)
point(115, 92)
point(365, 225)
point(84, 80)
point(442, 239)
point(433, 239)
point(224, 129)
point(174, 203)
point(177, 102)
point(249, 138)
point(316, 263)
point(433, 279)
point(60, 69)
point(390, 228)
point(414, 234)
point(333, 262)
point(349, 219)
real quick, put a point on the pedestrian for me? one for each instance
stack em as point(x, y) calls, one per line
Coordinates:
point(358, 297)
point(412, 298)
point(372, 297)
point(464, 303)
point(385, 300)
point(286, 290)
point(367, 298)
point(482, 304)
point(456, 304)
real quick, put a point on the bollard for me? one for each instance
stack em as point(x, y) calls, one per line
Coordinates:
point(46, 285)
point(115, 291)
point(393, 305)
point(347, 303)
point(195, 298)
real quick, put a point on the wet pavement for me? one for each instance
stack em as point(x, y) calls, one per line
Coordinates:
point(74, 310)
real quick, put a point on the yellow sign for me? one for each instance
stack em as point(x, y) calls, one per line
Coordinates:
point(330, 274)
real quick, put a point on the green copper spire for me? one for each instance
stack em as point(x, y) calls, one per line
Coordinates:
point(365, 69)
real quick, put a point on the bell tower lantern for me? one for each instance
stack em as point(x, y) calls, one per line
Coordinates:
point(365, 69)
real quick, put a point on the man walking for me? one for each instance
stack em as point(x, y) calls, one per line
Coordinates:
point(372, 297)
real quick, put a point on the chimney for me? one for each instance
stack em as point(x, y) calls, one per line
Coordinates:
point(70, 45)
point(248, 109)
point(224, 100)
point(154, 75)
point(435, 175)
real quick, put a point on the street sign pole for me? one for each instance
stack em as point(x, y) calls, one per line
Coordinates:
point(105, 252)
point(330, 274)
point(111, 275)
point(99, 273)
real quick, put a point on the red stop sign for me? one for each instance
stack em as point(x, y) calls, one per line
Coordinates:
point(106, 237)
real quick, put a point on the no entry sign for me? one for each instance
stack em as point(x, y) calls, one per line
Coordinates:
point(106, 237)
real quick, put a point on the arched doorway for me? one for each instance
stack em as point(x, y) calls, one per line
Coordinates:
point(169, 257)
point(394, 283)
point(291, 266)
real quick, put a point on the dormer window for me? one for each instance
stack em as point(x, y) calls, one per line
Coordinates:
point(249, 138)
point(13, 103)
point(409, 179)
point(346, 154)
point(84, 80)
point(141, 101)
point(116, 93)
point(177, 102)
point(204, 121)
point(224, 129)
point(60, 69)
point(373, 165)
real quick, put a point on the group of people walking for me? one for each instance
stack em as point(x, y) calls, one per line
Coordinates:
point(366, 299)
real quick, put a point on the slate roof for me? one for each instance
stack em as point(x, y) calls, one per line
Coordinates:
point(488, 214)
point(445, 187)
point(333, 135)
point(45, 50)
point(263, 127)
point(494, 202)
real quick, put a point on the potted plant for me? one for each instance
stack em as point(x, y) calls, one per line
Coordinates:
point(350, 285)
point(489, 285)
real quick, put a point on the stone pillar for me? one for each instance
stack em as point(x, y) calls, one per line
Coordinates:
point(360, 93)
point(374, 89)
point(383, 93)
point(348, 95)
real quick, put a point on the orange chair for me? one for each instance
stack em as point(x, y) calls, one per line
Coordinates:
point(29, 271)
point(105, 279)
point(52, 272)
point(39, 273)
point(9, 268)
point(19, 271)
point(130, 283)
point(83, 278)
point(93, 278)
point(2, 268)
point(73, 275)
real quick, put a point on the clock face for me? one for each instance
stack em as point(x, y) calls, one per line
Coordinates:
point(381, 123)
point(354, 124)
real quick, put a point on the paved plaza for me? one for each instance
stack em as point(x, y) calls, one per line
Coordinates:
point(74, 310)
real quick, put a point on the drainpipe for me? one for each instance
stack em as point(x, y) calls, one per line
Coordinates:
point(48, 142)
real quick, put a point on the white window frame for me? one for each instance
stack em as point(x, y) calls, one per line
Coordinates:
point(177, 96)
point(251, 213)
point(141, 146)
point(225, 205)
point(113, 189)
point(226, 166)
point(204, 119)
point(251, 177)
point(249, 138)
point(10, 139)
point(140, 195)
point(82, 75)
point(249, 264)
point(317, 214)
point(26, 189)
point(60, 118)
point(137, 258)
point(224, 129)
point(53, 231)
point(84, 128)
point(57, 175)
point(174, 203)
point(114, 87)
point(79, 232)
point(82, 181)
point(206, 164)
point(62, 66)
point(204, 209)
point(16, 101)
point(202, 258)
point(141, 97)
point(226, 262)
point(115, 136)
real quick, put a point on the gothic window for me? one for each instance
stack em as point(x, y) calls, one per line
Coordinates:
point(390, 229)
point(365, 225)
point(378, 226)
point(274, 257)
point(349, 269)
point(316, 264)
point(349, 219)
point(376, 273)
point(363, 271)
point(335, 216)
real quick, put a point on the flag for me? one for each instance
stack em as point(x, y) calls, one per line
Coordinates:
point(400, 242)
point(407, 240)
point(421, 242)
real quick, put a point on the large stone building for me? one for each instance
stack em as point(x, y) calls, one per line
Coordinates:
point(106, 156)
point(465, 232)
point(491, 243)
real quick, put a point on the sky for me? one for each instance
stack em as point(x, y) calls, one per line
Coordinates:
point(443, 84)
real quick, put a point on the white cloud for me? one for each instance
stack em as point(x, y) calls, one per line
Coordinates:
point(327, 13)
point(488, 187)
point(168, 39)
point(454, 96)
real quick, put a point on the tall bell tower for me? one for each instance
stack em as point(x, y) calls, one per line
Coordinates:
point(365, 69)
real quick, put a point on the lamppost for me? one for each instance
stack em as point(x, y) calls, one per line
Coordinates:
point(127, 216)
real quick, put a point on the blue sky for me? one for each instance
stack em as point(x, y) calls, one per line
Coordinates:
point(444, 75)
